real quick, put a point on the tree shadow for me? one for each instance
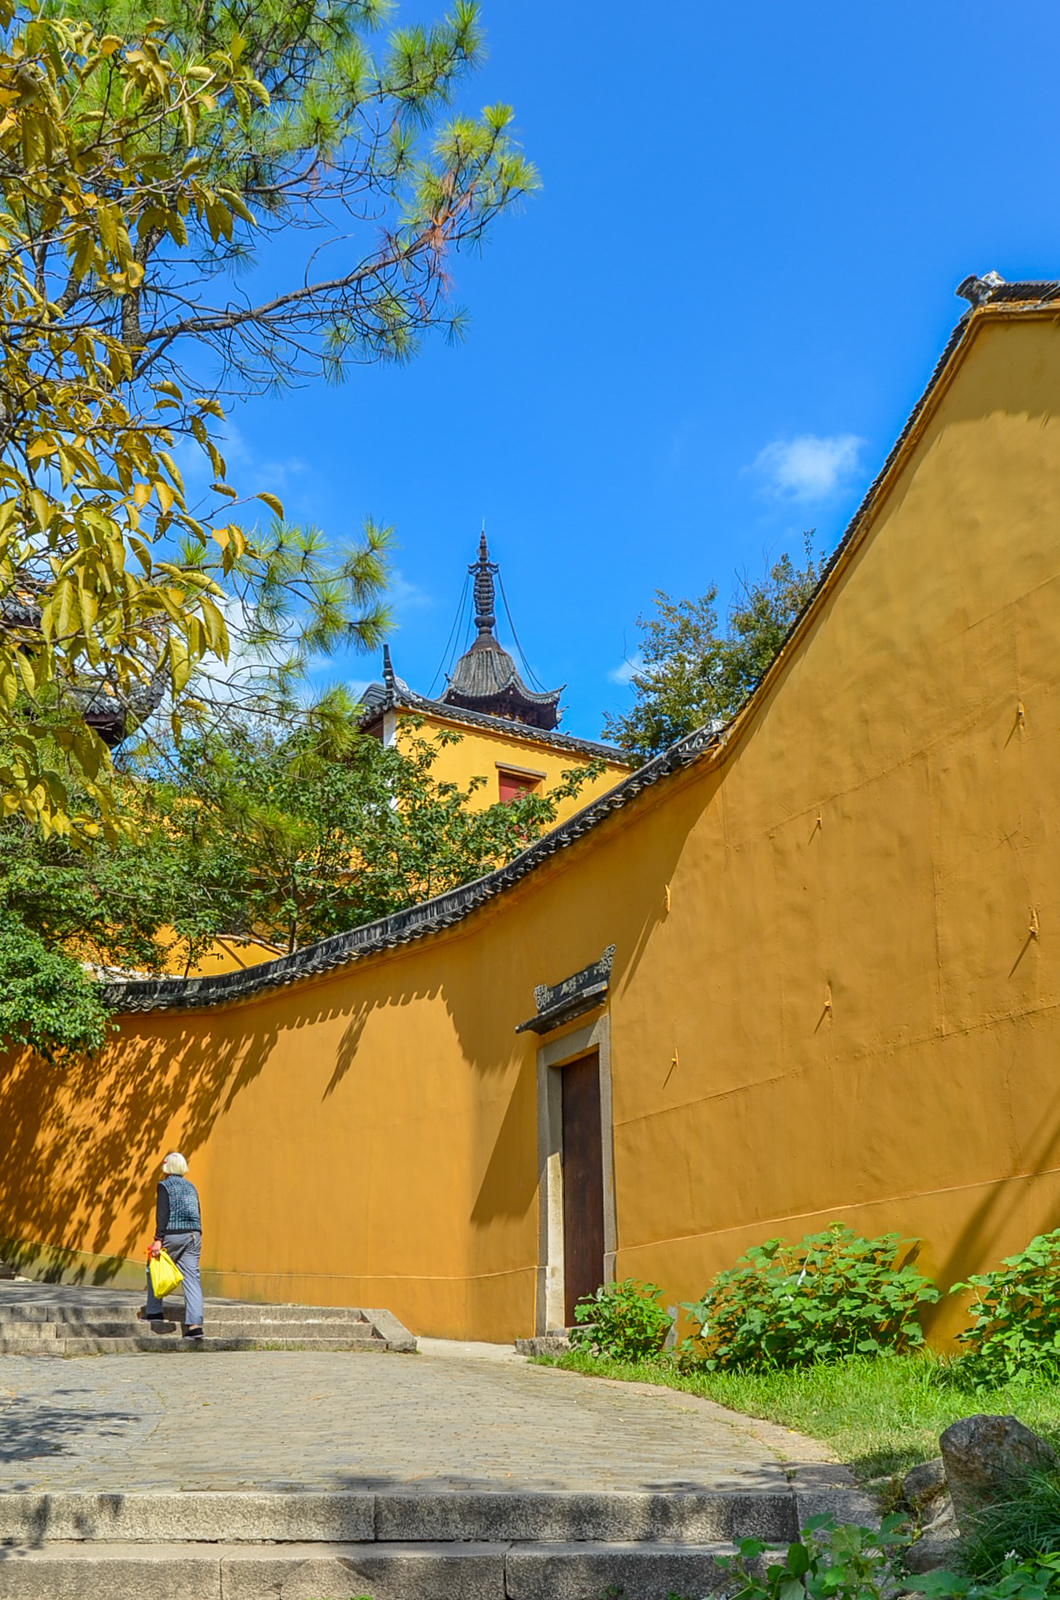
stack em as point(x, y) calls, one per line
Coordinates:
point(82, 1146)
point(34, 1428)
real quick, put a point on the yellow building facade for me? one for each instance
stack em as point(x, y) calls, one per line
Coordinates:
point(805, 968)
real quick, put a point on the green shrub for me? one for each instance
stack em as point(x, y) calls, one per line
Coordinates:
point(623, 1321)
point(834, 1294)
point(832, 1561)
point(1015, 1316)
point(844, 1562)
point(1020, 1578)
point(47, 1002)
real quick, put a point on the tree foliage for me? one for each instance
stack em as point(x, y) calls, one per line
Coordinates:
point(356, 153)
point(255, 830)
point(135, 181)
point(290, 835)
point(48, 1004)
point(92, 591)
point(692, 672)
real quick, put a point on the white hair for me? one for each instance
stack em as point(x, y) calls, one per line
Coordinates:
point(174, 1165)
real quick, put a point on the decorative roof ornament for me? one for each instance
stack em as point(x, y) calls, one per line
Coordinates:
point(977, 291)
point(485, 678)
point(482, 571)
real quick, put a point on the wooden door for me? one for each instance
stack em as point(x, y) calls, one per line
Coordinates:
point(583, 1182)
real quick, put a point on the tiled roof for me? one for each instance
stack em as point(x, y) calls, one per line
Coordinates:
point(416, 922)
point(487, 670)
point(378, 698)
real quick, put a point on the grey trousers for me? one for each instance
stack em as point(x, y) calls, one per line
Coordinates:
point(184, 1248)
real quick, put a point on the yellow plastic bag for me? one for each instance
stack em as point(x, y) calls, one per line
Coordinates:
point(165, 1274)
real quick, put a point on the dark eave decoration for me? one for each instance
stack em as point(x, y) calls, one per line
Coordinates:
point(559, 1003)
point(432, 916)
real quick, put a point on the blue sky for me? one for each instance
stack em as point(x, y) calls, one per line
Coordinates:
point(705, 333)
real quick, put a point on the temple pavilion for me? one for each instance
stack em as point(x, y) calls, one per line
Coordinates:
point(509, 732)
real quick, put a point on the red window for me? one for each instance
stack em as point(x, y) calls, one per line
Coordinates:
point(513, 785)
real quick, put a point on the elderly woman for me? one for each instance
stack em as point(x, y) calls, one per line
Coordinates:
point(178, 1227)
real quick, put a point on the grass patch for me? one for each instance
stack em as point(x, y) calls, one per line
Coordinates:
point(882, 1414)
point(1026, 1519)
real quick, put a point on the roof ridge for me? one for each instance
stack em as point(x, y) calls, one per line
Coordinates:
point(403, 696)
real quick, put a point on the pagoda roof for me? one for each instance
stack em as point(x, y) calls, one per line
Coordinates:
point(486, 678)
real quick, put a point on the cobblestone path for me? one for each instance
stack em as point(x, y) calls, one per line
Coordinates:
point(441, 1419)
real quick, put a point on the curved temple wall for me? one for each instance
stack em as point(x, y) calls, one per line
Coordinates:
point(835, 982)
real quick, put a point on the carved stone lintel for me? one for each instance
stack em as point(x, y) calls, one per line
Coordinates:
point(582, 991)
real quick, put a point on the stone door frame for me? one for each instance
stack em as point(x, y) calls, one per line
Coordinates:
point(552, 1056)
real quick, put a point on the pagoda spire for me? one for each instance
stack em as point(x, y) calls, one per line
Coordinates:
point(485, 592)
point(485, 678)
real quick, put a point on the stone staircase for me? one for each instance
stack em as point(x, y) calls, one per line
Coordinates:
point(398, 1544)
point(34, 1322)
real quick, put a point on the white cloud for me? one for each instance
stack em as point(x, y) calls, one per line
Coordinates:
point(808, 467)
point(406, 596)
point(624, 672)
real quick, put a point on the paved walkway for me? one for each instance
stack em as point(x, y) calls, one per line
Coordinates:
point(451, 1417)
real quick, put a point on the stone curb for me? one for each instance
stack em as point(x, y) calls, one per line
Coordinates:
point(37, 1521)
point(158, 1345)
point(394, 1572)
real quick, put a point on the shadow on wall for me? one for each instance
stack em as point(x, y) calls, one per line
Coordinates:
point(82, 1146)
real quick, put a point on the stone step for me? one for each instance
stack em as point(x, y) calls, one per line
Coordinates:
point(216, 1311)
point(29, 1519)
point(472, 1571)
point(110, 1327)
point(162, 1344)
point(131, 1327)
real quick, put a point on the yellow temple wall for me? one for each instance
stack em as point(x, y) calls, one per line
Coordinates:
point(481, 753)
point(835, 992)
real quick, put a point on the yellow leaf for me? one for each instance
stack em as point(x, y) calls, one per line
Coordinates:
point(42, 508)
point(179, 663)
point(272, 502)
point(216, 631)
point(170, 466)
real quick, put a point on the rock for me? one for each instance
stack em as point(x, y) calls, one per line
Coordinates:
point(545, 1344)
point(932, 1552)
point(983, 1454)
point(924, 1489)
point(924, 1484)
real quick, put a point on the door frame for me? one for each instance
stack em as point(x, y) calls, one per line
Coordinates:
point(552, 1057)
